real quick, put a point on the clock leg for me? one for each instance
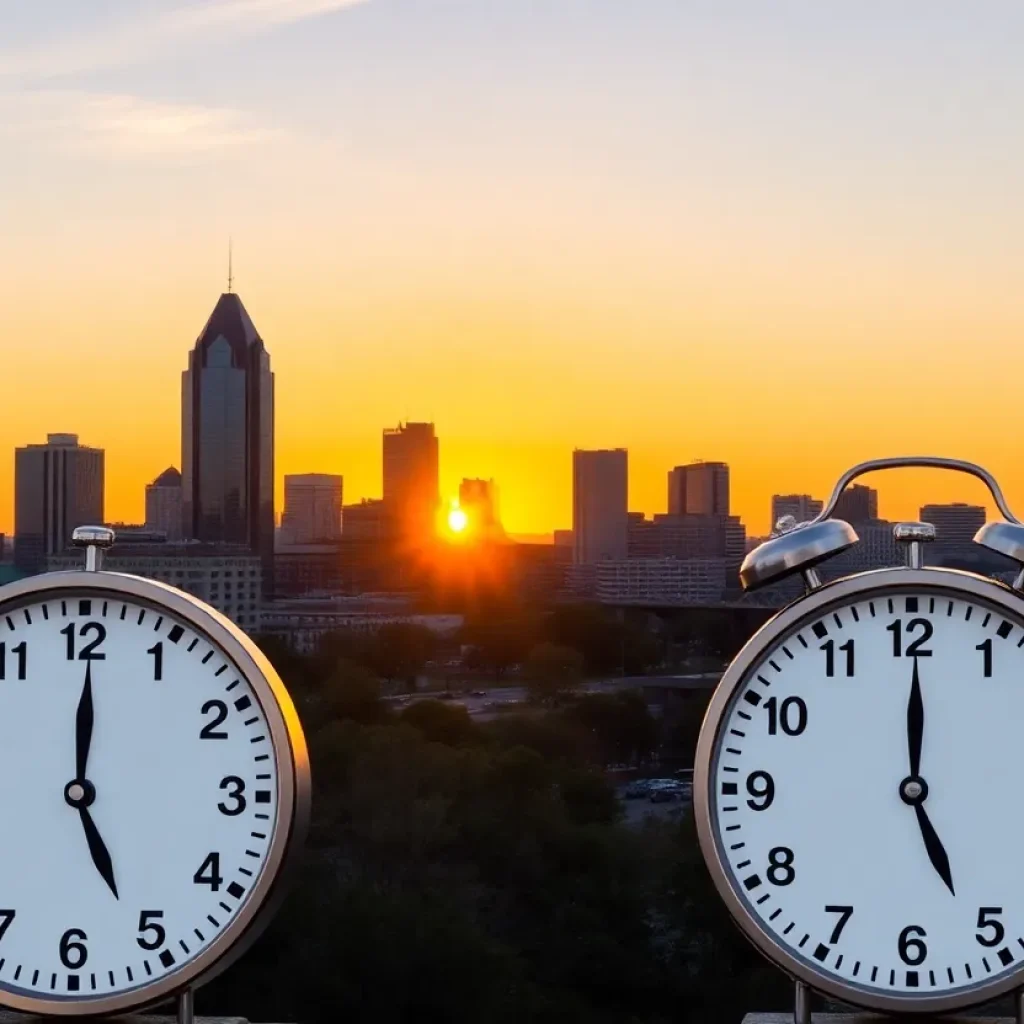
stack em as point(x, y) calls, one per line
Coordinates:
point(802, 1005)
point(186, 1007)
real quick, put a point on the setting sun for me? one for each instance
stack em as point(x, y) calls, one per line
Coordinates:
point(457, 520)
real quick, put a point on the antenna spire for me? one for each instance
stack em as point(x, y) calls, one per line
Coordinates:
point(231, 276)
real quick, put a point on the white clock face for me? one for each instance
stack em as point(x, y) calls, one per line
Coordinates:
point(864, 793)
point(139, 791)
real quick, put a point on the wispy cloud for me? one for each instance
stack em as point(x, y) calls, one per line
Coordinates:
point(125, 126)
point(148, 36)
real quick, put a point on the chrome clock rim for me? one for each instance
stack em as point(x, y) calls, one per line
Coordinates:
point(812, 605)
point(293, 787)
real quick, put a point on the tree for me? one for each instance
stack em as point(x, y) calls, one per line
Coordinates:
point(623, 728)
point(399, 650)
point(352, 692)
point(441, 723)
point(552, 669)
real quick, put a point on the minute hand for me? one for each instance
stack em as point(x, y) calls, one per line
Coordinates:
point(915, 724)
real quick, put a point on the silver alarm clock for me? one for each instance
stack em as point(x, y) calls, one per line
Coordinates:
point(154, 784)
point(859, 770)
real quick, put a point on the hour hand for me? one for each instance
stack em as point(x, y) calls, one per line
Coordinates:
point(98, 849)
point(933, 845)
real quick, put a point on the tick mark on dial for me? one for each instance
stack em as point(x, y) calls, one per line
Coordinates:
point(984, 961)
point(892, 607)
point(774, 665)
point(949, 610)
point(763, 681)
point(1005, 956)
point(149, 970)
point(856, 618)
point(931, 978)
point(10, 622)
point(199, 934)
point(967, 968)
point(734, 732)
point(803, 942)
point(728, 828)
point(911, 604)
point(159, 622)
point(871, 608)
point(752, 697)
point(142, 615)
point(728, 789)
point(789, 927)
point(984, 621)
point(28, 618)
point(175, 634)
point(231, 686)
point(775, 913)
point(821, 951)
point(737, 846)
point(839, 961)
point(46, 612)
point(242, 703)
point(1004, 630)
point(970, 609)
point(103, 610)
point(762, 899)
point(213, 920)
point(802, 640)
point(949, 974)
point(131, 977)
point(788, 653)
point(874, 973)
point(124, 612)
point(225, 907)
point(192, 646)
point(85, 607)
point(892, 976)
point(820, 630)
point(221, 670)
point(111, 976)
point(251, 721)
point(751, 882)
point(911, 979)
point(742, 865)
point(856, 968)
point(236, 890)
point(839, 621)
point(166, 958)
point(181, 942)
point(207, 656)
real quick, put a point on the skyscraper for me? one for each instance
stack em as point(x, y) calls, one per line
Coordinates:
point(57, 486)
point(411, 485)
point(699, 488)
point(312, 508)
point(600, 518)
point(163, 504)
point(479, 500)
point(802, 507)
point(227, 442)
point(857, 504)
point(956, 524)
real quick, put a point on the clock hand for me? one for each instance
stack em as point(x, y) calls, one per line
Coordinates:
point(932, 844)
point(83, 725)
point(80, 792)
point(914, 789)
point(98, 849)
point(915, 724)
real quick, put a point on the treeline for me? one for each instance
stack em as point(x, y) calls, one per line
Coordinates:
point(464, 872)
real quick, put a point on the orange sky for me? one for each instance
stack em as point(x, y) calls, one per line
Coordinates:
point(787, 245)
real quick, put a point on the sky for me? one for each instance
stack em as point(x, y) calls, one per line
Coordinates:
point(785, 235)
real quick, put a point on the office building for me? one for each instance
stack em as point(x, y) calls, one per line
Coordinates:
point(479, 500)
point(227, 443)
point(699, 488)
point(230, 581)
point(57, 486)
point(687, 536)
point(312, 508)
point(368, 520)
point(802, 507)
point(600, 489)
point(956, 524)
point(857, 504)
point(411, 486)
point(654, 582)
point(163, 504)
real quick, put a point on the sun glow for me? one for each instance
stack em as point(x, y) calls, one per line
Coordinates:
point(457, 520)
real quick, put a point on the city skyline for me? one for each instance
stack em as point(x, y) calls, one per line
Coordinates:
point(539, 227)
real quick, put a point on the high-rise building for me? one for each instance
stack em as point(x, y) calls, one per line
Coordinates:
point(163, 504)
point(411, 486)
point(857, 504)
point(227, 443)
point(699, 488)
point(802, 507)
point(600, 491)
point(312, 508)
point(57, 487)
point(956, 524)
point(479, 500)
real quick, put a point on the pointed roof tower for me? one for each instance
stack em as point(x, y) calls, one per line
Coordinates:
point(231, 321)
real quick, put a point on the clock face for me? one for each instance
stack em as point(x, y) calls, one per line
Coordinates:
point(139, 792)
point(863, 794)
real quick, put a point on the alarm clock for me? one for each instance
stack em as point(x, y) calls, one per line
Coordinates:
point(154, 786)
point(858, 773)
